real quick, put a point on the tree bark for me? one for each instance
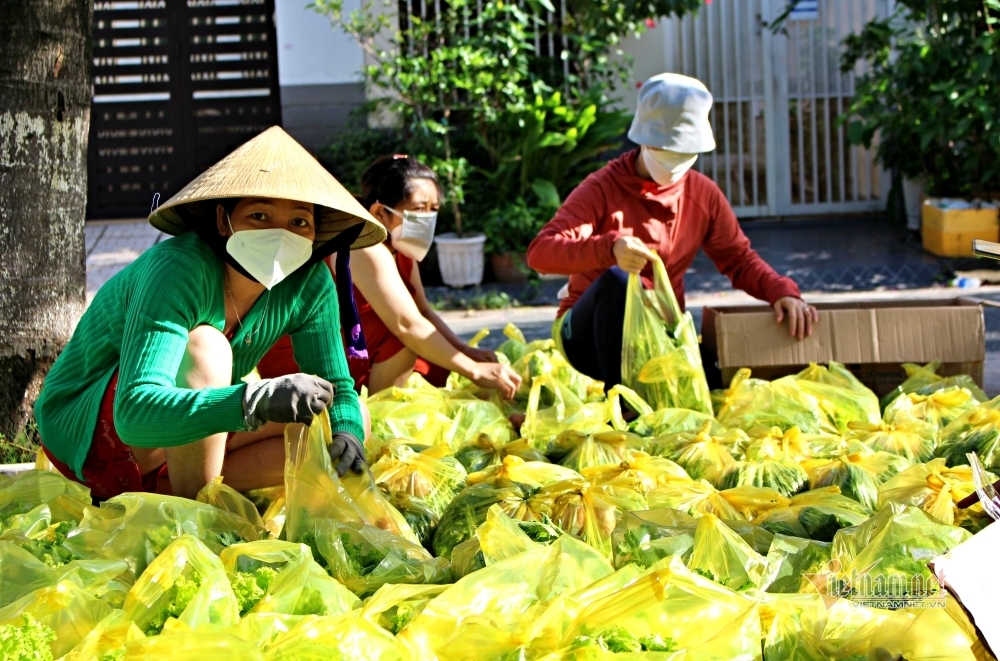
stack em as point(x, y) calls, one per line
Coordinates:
point(45, 94)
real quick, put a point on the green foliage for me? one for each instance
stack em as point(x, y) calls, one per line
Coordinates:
point(30, 641)
point(619, 641)
point(349, 156)
point(475, 101)
point(22, 448)
point(251, 587)
point(931, 92)
point(486, 300)
point(174, 601)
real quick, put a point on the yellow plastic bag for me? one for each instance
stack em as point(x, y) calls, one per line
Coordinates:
point(724, 557)
point(639, 469)
point(924, 380)
point(295, 583)
point(699, 497)
point(435, 480)
point(469, 509)
point(685, 610)
point(192, 645)
point(793, 627)
point(769, 468)
point(913, 439)
point(229, 500)
point(472, 419)
point(800, 565)
point(484, 452)
point(394, 606)
point(704, 454)
point(858, 471)
point(423, 521)
point(107, 640)
point(137, 527)
point(892, 549)
point(660, 356)
point(32, 488)
point(977, 430)
point(544, 421)
point(841, 396)
point(187, 582)
point(314, 491)
point(65, 608)
point(499, 538)
point(325, 638)
point(532, 473)
point(492, 604)
point(417, 413)
point(792, 442)
point(939, 408)
point(365, 558)
point(926, 634)
point(671, 421)
point(936, 489)
point(752, 403)
point(578, 450)
point(816, 514)
point(586, 511)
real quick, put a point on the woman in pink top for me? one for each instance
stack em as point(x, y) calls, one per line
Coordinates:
point(644, 202)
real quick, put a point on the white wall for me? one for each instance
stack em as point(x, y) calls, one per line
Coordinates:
point(310, 51)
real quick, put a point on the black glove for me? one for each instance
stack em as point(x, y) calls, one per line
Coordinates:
point(346, 452)
point(292, 398)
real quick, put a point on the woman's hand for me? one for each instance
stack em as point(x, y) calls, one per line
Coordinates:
point(801, 316)
point(480, 355)
point(632, 254)
point(497, 377)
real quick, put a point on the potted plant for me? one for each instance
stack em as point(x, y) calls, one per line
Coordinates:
point(509, 229)
point(460, 254)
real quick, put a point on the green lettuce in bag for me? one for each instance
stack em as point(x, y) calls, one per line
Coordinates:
point(924, 380)
point(977, 430)
point(65, 608)
point(661, 360)
point(842, 397)
point(469, 509)
point(186, 582)
point(816, 514)
point(365, 558)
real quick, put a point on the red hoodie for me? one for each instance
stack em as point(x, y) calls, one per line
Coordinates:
point(674, 221)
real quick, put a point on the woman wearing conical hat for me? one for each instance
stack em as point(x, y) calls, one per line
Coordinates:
point(151, 378)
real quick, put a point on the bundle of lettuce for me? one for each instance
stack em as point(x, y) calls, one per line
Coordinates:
point(644, 538)
point(769, 467)
point(498, 538)
point(431, 475)
point(514, 470)
point(697, 498)
point(924, 380)
point(484, 452)
point(857, 471)
point(639, 469)
point(578, 450)
point(706, 454)
point(843, 399)
point(906, 437)
point(977, 430)
point(938, 408)
point(816, 515)
point(936, 489)
point(793, 443)
point(468, 511)
point(661, 359)
point(751, 403)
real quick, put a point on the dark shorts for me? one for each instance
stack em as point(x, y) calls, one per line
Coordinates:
point(110, 468)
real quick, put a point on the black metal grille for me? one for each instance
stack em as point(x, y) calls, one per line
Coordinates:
point(178, 84)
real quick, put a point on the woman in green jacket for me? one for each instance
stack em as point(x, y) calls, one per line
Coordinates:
point(152, 378)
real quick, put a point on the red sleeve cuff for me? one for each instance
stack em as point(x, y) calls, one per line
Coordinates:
point(781, 288)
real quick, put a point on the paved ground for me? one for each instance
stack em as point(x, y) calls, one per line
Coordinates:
point(831, 259)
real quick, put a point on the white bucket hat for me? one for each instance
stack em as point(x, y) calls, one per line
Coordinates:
point(673, 114)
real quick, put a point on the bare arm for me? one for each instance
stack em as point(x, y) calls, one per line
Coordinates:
point(375, 275)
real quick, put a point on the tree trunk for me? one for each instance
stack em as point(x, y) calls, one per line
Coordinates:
point(45, 92)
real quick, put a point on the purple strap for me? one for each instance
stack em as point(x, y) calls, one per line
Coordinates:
point(350, 321)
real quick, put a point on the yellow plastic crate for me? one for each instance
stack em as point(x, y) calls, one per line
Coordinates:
point(949, 233)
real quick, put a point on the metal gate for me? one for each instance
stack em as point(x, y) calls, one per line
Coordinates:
point(178, 84)
point(781, 151)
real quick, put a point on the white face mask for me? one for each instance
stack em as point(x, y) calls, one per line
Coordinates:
point(667, 167)
point(269, 255)
point(413, 237)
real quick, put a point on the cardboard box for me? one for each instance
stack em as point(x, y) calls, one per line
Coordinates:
point(872, 338)
point(950, 232)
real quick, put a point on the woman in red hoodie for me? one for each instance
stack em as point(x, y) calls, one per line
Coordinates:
point(649, 201)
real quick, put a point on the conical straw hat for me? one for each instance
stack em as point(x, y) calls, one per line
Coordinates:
point(271, 165)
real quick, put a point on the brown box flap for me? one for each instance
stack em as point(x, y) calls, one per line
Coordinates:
point(869, 332)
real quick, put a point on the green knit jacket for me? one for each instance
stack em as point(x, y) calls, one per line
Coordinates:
point(138, 324)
